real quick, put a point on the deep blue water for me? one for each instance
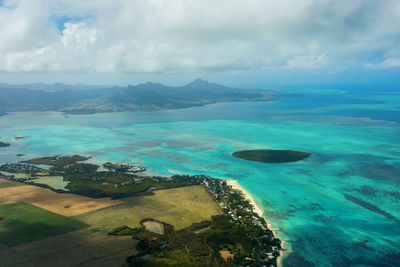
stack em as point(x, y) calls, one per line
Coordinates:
point(340, 207)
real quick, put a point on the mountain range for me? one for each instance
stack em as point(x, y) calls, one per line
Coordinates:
point(80, 99)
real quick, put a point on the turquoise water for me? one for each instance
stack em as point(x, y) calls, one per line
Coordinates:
point(340, 207)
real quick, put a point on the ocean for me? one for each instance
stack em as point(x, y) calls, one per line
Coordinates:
point(339, 207)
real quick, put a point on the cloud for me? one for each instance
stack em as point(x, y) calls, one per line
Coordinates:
point(77, 36)
point(177, 36)
point(387, 63)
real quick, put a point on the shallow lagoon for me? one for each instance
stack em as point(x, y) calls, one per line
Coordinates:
point(354, 154)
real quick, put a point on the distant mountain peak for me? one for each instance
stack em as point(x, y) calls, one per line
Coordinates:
point(199, 84)
point(148, 86)
point(199, 81)
point(152, 83)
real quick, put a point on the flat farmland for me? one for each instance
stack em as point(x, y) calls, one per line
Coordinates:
point(22, 223)
point(7, 183)
point(179, 207)
point(90, 246)
point(61, 203)
point(80, 248)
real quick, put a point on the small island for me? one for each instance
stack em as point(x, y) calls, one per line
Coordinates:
point(2, 144)
point(271, 155)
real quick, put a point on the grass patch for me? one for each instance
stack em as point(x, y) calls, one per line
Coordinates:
point(55, 182)
point(23, 223)
point(179, 207)
point(17, 175)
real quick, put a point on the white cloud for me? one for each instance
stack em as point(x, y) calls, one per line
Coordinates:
point(387, 63)
point(188, 36)
point(307, 62)
point(76, 36)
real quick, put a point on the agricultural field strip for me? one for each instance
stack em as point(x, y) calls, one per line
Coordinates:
point(19, 191)
point(6, 183)
point(179, 207)
point(23, 223)
point(62, 203)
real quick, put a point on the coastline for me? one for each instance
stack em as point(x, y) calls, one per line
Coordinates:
point(235, 185)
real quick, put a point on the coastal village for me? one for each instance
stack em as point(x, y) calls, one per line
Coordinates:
point(21, 168)
point(242, 212)
point(123, 167)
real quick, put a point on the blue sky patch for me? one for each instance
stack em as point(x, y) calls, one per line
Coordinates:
point(60, 21)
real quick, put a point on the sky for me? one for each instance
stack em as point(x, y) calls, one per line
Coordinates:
point(254, 43)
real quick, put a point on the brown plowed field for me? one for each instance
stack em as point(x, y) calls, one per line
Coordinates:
point(62, 203)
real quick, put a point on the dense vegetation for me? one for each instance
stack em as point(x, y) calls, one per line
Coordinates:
point(65, 164)
point(271, 156)
point(117, 185)
point(59, 161)
point(188, 248)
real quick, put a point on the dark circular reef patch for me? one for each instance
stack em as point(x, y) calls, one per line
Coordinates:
point(2, 144)
point(271, 155)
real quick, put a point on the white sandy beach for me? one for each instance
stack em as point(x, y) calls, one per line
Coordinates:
point(235, 185)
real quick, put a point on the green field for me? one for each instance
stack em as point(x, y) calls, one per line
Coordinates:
point(22, 223)
point(17, 175)
point(179, 207)
point(55, 182)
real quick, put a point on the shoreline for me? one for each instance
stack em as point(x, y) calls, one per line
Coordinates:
point(235, 185)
